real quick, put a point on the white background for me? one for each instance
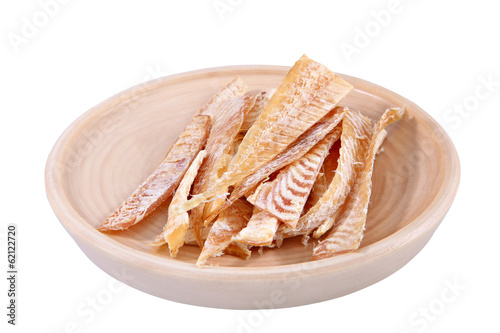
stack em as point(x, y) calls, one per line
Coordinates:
point(436, 53)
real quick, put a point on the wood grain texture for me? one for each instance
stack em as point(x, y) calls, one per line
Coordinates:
point(90, 172)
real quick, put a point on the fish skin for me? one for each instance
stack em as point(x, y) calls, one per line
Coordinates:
point(349, 229)
point(164, 180)
point(295, 151)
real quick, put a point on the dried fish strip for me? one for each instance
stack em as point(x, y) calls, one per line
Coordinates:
point(321, 185)
point(295, 151)
point(260, 103)
point(355, 139)
point(235, 88)
point(348, 233)
point(176, 227)
point(161, 184)
point(285, 197)
point(319, 188)
point(327, 224)
point(260, 229)
point(226, 123)
point(190, 238)
point(229, 223)
point(163, 181)
point(307, 93)
point(210, 206)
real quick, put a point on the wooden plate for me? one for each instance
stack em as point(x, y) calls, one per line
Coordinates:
point(103, 156)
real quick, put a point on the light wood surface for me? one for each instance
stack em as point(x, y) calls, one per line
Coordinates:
point(106, 153)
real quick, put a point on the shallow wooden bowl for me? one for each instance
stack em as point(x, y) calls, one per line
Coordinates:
point(103, 156)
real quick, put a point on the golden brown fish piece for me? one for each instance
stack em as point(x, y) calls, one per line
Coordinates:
point(307, 93)
point(348, 233)
point(331, 162)
point(355, 139)
point(259, 231)
point(210, 206)
point(295, 151)
point(227, 118)
point(229, 223)
point(285, 197)
point(163, 181)
point(234, 148)
point(319, 188)
point(176, 227)
point(238, 250)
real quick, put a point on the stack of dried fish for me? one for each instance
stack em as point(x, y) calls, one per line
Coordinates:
point(252, 169)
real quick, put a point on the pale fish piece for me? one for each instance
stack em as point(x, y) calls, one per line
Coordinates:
point(235, 88)
point(176, 227)
point(348, 232)
point(190, 238)
point(285, 197)
point(319, 188)
point(324, 178)
point(227, 118)
point(212, 204)
point(327, 224)
point(164, 180)
point(237, 250)
point(229, 223)
point(260, 103)
point(355, 139)
point(329, 167)
point(259, 231)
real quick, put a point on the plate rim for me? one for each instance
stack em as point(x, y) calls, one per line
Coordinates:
point(99, 242)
